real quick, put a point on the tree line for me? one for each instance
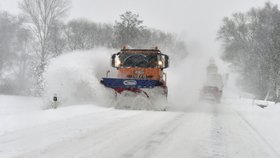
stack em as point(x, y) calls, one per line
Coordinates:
point(29, 40)
point(251, 43)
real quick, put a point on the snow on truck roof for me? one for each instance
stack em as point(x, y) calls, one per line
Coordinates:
point(142, 51)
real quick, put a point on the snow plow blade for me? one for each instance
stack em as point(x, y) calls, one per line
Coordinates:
point(129, 83)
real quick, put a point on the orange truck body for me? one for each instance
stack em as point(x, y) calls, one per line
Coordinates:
point(140, 73)
point(138, 70)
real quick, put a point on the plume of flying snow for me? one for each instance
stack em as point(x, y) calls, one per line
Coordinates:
point(75, 77)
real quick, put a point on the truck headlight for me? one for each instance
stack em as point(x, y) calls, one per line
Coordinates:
point(160, 63)
point(118, 62)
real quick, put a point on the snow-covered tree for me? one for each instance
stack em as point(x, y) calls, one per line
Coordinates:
point(7, 38)
point(131, 31)
point(128, 30)
point(83, 34)
point(43, 14)
point(15, 58)
point(57, 40)
point(252, 45)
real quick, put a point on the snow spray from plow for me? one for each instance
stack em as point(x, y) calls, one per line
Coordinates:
point(75, 79)
point(75, 76)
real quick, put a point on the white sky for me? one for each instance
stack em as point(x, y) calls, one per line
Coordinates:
point(196, 21)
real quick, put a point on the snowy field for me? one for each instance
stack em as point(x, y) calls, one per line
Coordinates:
point(235, 128)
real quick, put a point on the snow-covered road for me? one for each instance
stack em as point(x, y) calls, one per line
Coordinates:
point(202, 131)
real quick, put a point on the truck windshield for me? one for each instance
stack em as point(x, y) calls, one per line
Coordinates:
point(138, 60)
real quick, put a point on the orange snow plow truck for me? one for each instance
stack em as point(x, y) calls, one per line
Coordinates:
point(139, 72)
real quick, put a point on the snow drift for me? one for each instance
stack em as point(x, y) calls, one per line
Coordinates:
point(75, 77)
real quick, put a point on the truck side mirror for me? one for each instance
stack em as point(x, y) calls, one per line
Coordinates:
point(113, 60)
point(116, 63)
point(166, 64)
point(163, 61)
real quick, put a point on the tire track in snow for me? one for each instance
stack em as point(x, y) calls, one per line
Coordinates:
point(148, 146)
point(217, 143)
point(53, 122)
point(43, 136)
point(42, 128)
point(96, 143)
point(267, 145)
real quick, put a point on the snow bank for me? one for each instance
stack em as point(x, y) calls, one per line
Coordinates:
point(11, 105)
point(265, 121)
point(75, 77)
point(21, 113)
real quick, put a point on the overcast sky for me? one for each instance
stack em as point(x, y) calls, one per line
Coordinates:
point(196, 21)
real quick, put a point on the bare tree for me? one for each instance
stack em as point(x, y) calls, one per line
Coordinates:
point(128, 30)
point(7, 37)
point(15, 61)
point(57, 39)
point(78, 34)
point(252, 45)
point(82, 34)
point(42, 15)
